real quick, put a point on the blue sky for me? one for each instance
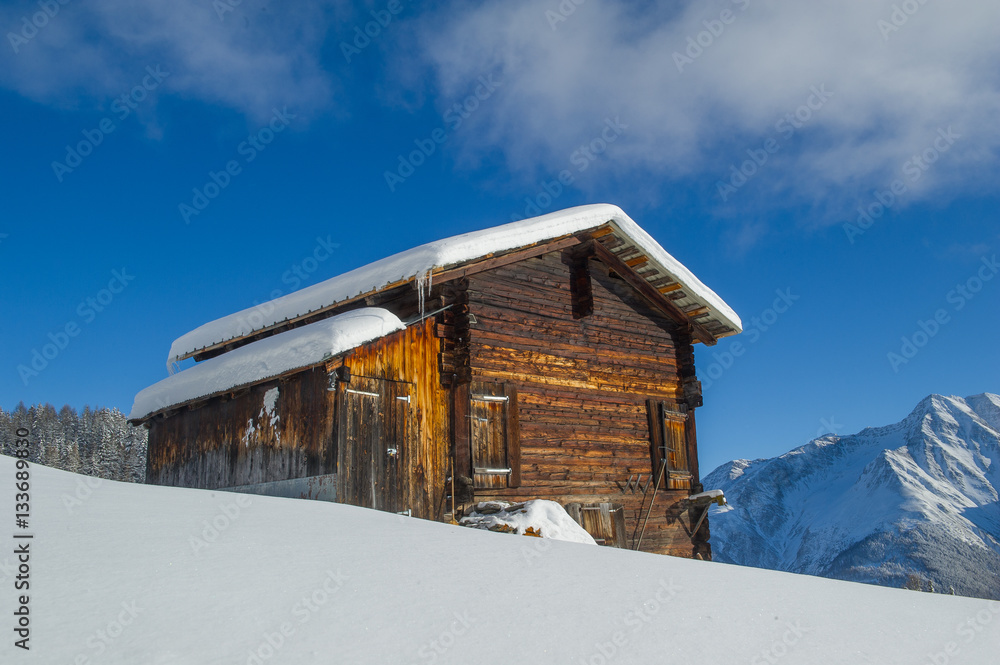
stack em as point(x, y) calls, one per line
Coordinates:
point(824, 109)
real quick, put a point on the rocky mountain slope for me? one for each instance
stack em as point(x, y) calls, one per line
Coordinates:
point(916, 498)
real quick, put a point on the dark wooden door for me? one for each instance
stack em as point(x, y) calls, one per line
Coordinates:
point(372, 443)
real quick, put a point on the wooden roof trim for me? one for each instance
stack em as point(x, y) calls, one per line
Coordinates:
point(652, 294)
point(554, 245)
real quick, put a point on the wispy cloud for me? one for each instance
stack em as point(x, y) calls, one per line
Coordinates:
point(695, 115)
point(252, 58)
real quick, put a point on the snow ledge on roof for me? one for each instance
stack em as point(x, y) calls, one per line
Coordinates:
point(298, 348)
point(438, 254)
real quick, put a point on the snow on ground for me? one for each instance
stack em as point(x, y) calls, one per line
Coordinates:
point(544, 519)
point(269, 357)
point(134, 574)
point(422, 260)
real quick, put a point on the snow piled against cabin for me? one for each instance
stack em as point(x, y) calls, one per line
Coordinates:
point(129, 574)
point(272, 356)
point(419, 263)
point(539, 518)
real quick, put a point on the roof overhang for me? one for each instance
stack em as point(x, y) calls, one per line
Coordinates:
point(617, 240)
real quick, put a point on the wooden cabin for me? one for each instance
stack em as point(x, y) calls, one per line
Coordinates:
point(546, 359)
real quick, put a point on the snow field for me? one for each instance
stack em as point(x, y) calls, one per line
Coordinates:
point(144, 574)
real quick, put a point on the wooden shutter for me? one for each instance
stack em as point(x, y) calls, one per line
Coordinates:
point(494, 435)
point(668, 441)
point(604, 521)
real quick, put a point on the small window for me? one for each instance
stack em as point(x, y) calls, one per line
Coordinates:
point(668, 440)
point(494, 436)
point(604, 521)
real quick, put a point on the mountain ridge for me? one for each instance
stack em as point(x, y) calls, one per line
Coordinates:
point(916, 497)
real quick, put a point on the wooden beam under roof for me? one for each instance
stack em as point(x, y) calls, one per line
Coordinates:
point(653, 295)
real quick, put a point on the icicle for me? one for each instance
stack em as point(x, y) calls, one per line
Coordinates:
point(424, 282)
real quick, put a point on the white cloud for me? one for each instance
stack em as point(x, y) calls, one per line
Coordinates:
point(892, 89)
point(250, 59)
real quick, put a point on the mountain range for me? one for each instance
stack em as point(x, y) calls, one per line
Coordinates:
point(888, 505)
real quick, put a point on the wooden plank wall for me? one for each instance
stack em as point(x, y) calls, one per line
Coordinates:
point(412, 356)
point(228, 442)
point(582, 386)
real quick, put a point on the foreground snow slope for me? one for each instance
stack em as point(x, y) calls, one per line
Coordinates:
point(337, 584)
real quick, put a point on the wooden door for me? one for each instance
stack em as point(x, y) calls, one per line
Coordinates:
point(372, 443)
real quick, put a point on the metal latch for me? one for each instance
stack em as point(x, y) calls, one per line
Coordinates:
point(490, 398)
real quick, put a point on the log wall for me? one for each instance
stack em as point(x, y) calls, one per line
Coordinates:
point(582, 386)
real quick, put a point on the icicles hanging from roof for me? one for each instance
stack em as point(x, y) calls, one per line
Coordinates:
point(424, 281)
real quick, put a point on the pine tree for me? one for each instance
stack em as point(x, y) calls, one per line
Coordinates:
point(97, 442)
point(69, 458)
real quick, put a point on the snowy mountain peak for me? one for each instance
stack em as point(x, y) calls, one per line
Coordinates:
point(918, 496)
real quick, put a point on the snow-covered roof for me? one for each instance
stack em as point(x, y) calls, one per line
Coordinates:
point(267, 358)
point(426, 260)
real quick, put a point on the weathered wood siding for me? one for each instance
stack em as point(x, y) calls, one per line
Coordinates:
point(231, 441)
point(582, 387)
point(411, 356)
